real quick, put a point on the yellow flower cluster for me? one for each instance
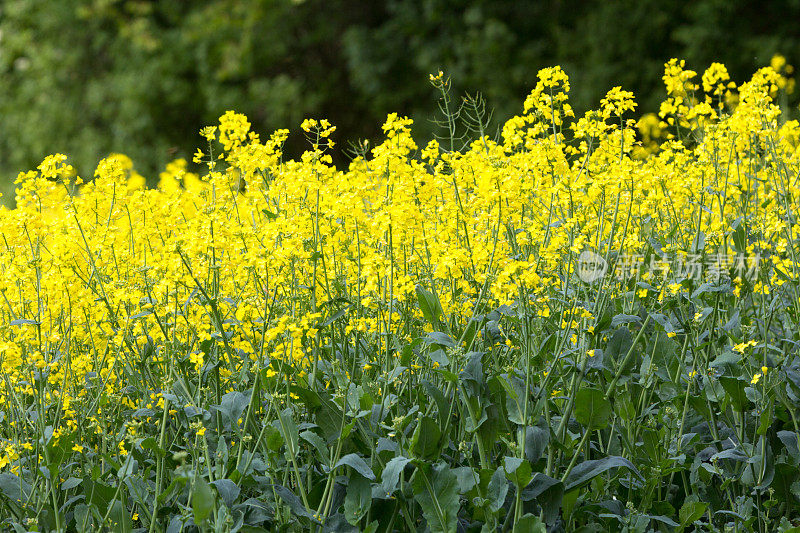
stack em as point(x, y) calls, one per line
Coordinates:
point(107, 281)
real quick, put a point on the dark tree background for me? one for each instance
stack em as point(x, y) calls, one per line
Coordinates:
point(89, 77)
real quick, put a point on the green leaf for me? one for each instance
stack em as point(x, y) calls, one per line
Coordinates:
point(232, 407)
point(294, 503)
point(318, 444)
point(735, 392)
point(761, 468)
point(624, 407)
point(100, 494)
point(619, 344)
point(592, 408)
point(466, 478)
point(71, 483)
point(493, 422)
point(739, 237)
point(202, 500)
point(789, 439)
point(442, 405)
point(83, 517)
point(273, 438)
point(358, 464)
point(150, 444)
point(588, 470)
point(310, 399)
point(624, 319)
point(529, 523)
point(289, 431)
point(691, 512)
point(329, 418)
point(120, 518)
point(429, 305)
point(228, 490)
point(391, 474)
point(549, 492)
point(518, 471)
point(440, 357)
point(446, 374)
point(14, 488)
point(498, 488)
point(23, 322)
point(568, 503)
point(128, 468)
point(425, 441)
point(515, 397)
point(436, 491)
point(437, 337)
point(474, 403)
point(473, 371)
point(727, 358)
point(358, 499)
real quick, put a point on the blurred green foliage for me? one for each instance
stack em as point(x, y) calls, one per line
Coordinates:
point(142, 76)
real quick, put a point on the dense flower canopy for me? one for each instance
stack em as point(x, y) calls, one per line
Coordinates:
point(114, 293)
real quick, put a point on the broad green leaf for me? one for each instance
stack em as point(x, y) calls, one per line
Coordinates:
point(624, 408)
point(691, 512)
point(467, 478)
point(588, 470)
point(529, 523)
point(515, 397)
point(71, 483)
point(391, 474)
point(425, 443)
point(329, 418)
point(14, 488)
point(228, 490)
point(23, 322)
point(294, 503)
point(151, 444)
point(789, 439)
point(318, 444)
point(549, 492)
point(498, 488)
point(358, 499)
point(473, 371)
point(232, 408)
point(289, 431)
point(202, 500)
point(358, 464)
point(100, 494)
point(624, 319)
point(128, 467)
point(439, 357)
point(429, 305)
point(727, 358)
point(436, 490)
point(518, 471)
point(592, 408)
point(437, 337)
point(120, 518)
point(83, 517)
point(273, 438)
point(442, 405)
point(734, 388)
point(619, 344)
